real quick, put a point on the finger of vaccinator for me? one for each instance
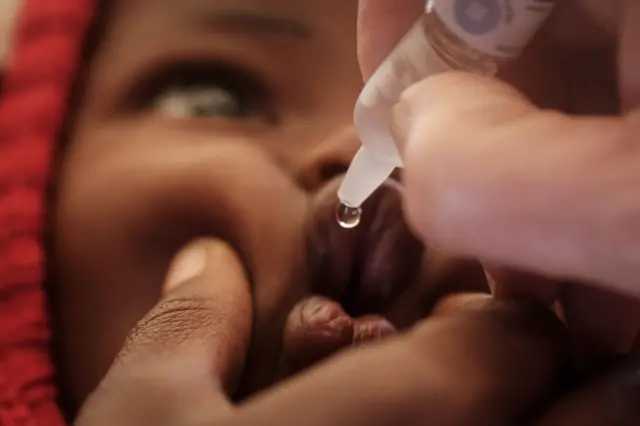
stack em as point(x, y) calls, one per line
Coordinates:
point(609, 399)
point(487, 363)
point(187, 353)
point(381, 25)
point(488, 175)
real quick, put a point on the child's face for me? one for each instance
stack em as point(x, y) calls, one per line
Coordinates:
point(226, 118)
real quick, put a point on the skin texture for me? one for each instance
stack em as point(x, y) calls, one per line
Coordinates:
point(581, 159)
point(266, 284)
point(149, 167)
point(469, 363)
point(471, 350)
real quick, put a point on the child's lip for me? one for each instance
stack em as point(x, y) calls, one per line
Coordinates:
point(318, 327)
point(367, 267)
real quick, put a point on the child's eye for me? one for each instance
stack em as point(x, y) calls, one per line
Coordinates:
point(202, 101)
point(197, 90)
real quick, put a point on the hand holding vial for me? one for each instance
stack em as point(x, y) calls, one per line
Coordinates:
point(540, 174)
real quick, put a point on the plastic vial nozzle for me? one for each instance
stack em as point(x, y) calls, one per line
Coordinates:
point(366, 173)
point(467, 35)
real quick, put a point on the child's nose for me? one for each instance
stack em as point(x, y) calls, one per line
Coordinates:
point(328, 160)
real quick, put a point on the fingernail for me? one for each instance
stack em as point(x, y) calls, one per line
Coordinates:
point(400, 122)
point(188, 264)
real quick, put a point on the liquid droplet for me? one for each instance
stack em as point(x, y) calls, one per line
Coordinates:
point(348, 217)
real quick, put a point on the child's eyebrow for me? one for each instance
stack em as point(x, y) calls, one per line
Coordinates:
point(247, 22)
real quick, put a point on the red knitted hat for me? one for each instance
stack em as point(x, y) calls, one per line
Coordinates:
point(44, 62)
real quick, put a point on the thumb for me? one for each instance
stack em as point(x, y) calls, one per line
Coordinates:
point(187, 354)
point(439, 125)
point(490, 176)
point(207, 286)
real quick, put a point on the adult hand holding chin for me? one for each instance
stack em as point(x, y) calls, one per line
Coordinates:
point(475, 361)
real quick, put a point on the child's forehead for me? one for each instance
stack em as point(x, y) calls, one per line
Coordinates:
point(290, 44)
point(306, 16)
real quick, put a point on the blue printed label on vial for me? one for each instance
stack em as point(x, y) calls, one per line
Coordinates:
point(499, 28)
point(478, 17)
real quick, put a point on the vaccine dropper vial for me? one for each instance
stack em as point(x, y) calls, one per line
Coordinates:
point(468, 35)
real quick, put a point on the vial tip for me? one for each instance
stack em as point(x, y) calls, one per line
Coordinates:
point(348, 217)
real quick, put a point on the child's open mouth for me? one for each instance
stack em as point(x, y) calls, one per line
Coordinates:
point(357, 276)
point(368, 267)
point(360, 285)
